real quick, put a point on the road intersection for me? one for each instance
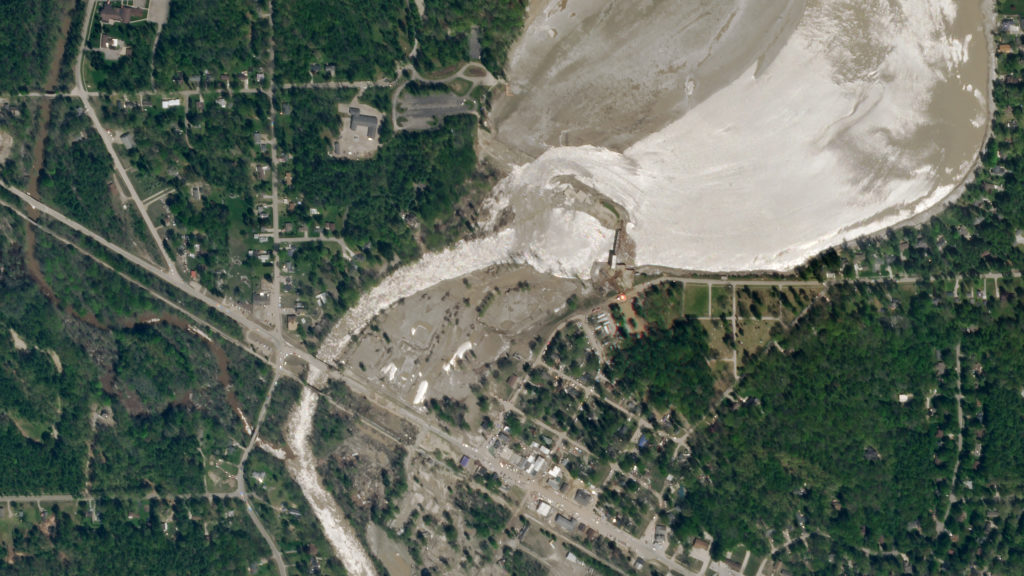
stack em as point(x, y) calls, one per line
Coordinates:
point(278, 348)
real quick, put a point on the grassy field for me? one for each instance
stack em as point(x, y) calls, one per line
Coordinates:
point(721, 301)
point(695, 299)
point(1010, 7)
point(716, 338)
point(460, 86)
point(752, 565)
point(755, 334)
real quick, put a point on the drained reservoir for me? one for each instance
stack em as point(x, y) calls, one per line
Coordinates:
point(746, 135)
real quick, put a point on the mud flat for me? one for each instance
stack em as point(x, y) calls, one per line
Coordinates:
point(609, 73)
point(847, 117)
point(736, 135)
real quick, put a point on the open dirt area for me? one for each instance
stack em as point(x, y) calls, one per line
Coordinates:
point(302, 468)
point(19, 343)
point(435, 343)
point(158, 11)
point(745, 135)
point(393, 555)
point(357, 141)
point(561, 242)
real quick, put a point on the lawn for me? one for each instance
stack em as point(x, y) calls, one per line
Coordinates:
point(460, 86)
point(695, 299)
point(754, 334)
point(721, 301)
point(1010, 7)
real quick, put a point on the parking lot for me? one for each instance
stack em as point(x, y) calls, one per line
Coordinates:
point(424, 112)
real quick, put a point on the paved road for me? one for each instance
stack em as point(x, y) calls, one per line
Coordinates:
point(39, 498)
point(476, 448)
point(473, 447)
point(80, 92)
point(275, 552)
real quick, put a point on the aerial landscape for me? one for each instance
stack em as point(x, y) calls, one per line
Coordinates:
point(524, 287)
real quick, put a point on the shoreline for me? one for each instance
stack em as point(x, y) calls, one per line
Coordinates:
point(991, 16)
point(824, 153)
point(417, 276)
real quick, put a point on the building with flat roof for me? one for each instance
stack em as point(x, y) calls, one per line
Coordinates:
point(359, 120)
point(543, 509)
point(582, 497)
point(564, 522)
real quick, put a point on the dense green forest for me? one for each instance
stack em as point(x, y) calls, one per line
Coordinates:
point(147, 452)
point(28, 34)
point(163, 390)
point(19, 119)
point(362, 40)
point(445, 30)
point(193, 536)
point(851, 433)
point(32, 459)
point(77, 177)
point(820, 413)
point(365, 42)
point(72, 47)
point(666, 368)
point(77, 169)
point(205, 36)
point(419, 174)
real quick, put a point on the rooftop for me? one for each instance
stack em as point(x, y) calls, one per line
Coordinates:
point(359, 120)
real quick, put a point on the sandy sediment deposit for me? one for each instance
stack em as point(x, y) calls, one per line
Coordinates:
point(749, 134)
point(736, 134)
point(610, 73)
point(303, 469)
point(556, 240)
